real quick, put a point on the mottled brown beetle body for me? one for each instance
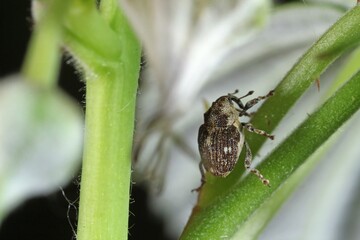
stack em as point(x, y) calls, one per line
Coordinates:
point(221, 137)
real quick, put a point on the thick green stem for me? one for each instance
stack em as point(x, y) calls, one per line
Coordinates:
point(105, 180)
point(110, 112)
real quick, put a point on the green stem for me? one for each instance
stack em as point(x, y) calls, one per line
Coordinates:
point(42, 60)
point(224, 216)
point(254, 225)
point(105, 181)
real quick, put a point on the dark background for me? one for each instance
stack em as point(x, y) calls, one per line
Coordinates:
point(47, 217)
point(52, 217)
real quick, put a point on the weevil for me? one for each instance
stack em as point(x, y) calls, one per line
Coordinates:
point(221, 137)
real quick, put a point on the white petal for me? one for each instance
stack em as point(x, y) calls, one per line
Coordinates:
point(186, 41)
point(40, 141)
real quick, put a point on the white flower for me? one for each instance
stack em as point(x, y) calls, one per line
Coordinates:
point(185, 41)
point(186, 44)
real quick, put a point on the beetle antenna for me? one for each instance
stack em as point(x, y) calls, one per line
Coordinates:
point(232, 95)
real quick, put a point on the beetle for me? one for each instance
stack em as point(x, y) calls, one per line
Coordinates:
point(221, 137)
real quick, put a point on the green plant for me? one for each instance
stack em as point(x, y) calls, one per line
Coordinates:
point(107, 54)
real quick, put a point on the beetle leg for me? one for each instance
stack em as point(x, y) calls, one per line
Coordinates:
point(251, 128)
point(202, 171)
point(203, 181)
point(247, 164)
point(254, 101)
